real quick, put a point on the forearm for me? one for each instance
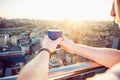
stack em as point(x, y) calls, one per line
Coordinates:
point(104, 56)
point(36, 69)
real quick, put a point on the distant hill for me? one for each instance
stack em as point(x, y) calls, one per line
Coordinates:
point(12, 23)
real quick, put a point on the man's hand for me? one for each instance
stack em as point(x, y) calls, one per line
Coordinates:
point(51, 44)
point(67, 45)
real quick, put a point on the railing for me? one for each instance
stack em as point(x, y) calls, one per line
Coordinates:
point(77, 71)
point(80, 70)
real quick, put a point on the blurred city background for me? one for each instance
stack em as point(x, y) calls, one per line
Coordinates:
point(20, 40)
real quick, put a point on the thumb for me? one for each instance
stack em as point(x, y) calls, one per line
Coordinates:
point(58, 40)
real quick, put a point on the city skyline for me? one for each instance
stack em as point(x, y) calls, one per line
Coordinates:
point(57, 9)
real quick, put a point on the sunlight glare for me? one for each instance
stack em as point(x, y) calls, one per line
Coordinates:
point(56, 9)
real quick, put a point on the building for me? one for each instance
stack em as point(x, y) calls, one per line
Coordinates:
point(3, 40)
point(72, 59)
point(10, 51)
point(14, 39)
point(10, 57)
point(55, 61)
point(115, 36)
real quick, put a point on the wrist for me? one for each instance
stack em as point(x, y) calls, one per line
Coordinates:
point(45, 53)
point(45, 50)
point(77, 48)
point(74, 48)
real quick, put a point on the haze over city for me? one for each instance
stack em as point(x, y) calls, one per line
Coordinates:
point(57, 9)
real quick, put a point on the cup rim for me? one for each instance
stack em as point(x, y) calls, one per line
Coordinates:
point(55, 30)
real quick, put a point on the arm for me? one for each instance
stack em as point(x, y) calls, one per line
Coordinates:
point(104, 56)
point(111, 74)
point(37, 68)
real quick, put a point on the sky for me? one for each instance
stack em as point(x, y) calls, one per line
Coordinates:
point(57, 9)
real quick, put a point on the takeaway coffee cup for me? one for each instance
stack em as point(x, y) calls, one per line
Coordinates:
point(55, 34)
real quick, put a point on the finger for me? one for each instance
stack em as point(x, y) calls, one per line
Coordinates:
point(63, 39)
point(46, 37)
point(61, 47)
point(58, 40)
